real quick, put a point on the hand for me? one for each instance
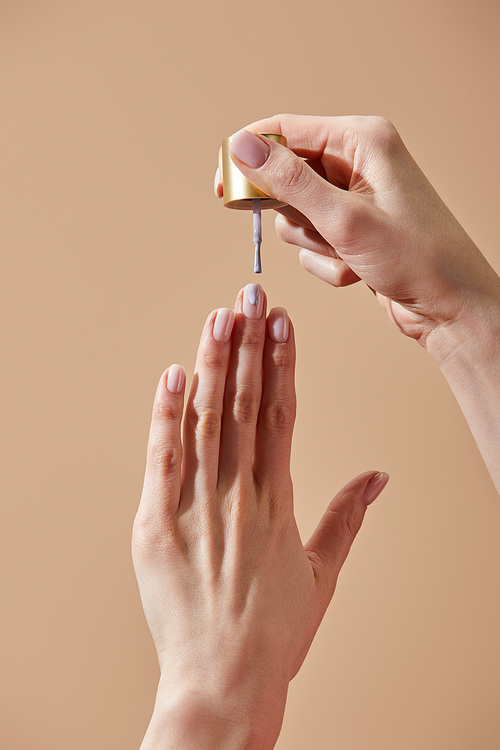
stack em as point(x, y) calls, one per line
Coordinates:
point(361, 208)
point(232, 597)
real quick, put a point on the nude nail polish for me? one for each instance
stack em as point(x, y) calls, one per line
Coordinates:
point(249, 148)
point(223, 325)
point(176, 378)
point(279, 325)
point(375, 487)
point(253, 301)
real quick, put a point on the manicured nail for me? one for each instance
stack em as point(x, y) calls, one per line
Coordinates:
point(216, 181)
point(176, 378)
point(223, 326)
point(253, 301)
point(375, 487)
point(279, 325)
point(249, 148)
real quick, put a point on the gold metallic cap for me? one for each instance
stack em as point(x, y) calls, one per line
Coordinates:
point(238, 191)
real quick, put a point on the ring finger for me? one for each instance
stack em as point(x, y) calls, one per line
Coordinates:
point(204, 408)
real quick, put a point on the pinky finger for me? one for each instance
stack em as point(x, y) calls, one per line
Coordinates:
point(162, 482)
point(332, 270)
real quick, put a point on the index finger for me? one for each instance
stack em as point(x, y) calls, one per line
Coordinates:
point(311, 136)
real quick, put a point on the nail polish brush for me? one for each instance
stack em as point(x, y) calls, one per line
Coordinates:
point(240, 193)
point(257, 234)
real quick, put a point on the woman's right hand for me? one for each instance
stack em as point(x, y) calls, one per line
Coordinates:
point(361, 208)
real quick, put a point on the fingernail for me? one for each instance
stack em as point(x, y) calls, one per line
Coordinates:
point(223, 326)
point(279, 325)
point(375, 487)
point(253, 301)
point(216, 181)
point(249, 148)
point(176, 378)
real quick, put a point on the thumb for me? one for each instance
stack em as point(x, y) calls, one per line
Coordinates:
point(330, 543)
point(280, 173)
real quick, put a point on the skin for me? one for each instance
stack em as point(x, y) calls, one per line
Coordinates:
point(232, 596)
point(362, 211)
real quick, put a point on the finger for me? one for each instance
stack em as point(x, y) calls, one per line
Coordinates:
point(332, 270)
point(218, 184)
point(162, 481)
point(279, 172)
point(278, 404)
point(329, 141)
point(244, 384)
point(288, 231)
point(204, 408)
point(218, 187)
point(335, 271)
point(288, 211)
point(291, 213)
point(330, 543)
point(309, 136)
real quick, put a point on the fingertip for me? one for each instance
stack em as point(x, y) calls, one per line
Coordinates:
point(306, 259)
point(223, 325)
point(262, 296)
point(218, 190)
point(315, 265)
point(280, 223)
point(333, 271)
point(175, 379)
point(375, 485)
point(278, 325)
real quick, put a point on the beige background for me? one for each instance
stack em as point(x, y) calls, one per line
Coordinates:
point(112, 115)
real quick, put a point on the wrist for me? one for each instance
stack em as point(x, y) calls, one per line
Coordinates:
point(202, 717)
point(471, 340)
point(465, 314)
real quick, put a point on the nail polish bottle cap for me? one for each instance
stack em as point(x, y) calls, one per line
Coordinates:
point(238, 191)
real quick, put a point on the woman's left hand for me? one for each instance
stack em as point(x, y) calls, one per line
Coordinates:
point(232, 597)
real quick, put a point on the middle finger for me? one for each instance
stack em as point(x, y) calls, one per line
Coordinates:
point(243, 384)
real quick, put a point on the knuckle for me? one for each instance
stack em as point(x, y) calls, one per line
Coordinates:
point(164, 458)
point(381, 123)
point(282, 358)
point(291, 173)
point(191, 418)
point(149, 536)
point(214, 359)
point(351, 523)
point(279, 416)
point(144, 532)
point(245, 405)
point(208, 424)
point(253, 339)
point(383, 131)
point(239, 510)
point(165, 410)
